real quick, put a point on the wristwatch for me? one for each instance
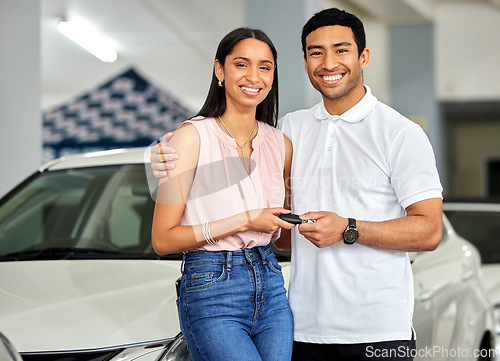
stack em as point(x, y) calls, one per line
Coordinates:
point(351, 232)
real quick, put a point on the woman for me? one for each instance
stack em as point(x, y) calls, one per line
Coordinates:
point(220, 206)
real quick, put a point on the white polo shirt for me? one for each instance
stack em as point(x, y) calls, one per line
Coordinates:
point(369, 163)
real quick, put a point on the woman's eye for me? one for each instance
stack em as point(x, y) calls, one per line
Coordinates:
point(265, 68)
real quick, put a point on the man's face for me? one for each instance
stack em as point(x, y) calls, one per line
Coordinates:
point(332, 62)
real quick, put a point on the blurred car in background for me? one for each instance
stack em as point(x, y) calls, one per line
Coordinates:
point(79, 279)
point(453, 316)
point(479, 222)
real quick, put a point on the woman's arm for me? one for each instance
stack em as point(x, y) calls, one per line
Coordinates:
point(284, 242)
point(168, 236)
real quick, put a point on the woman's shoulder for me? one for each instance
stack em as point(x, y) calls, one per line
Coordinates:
point(186, 134)
point(269, 129)
point(270, 132)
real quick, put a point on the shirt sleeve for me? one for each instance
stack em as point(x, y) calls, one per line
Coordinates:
point(414, 175)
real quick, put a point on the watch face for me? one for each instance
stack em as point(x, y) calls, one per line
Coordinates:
point(350, 235)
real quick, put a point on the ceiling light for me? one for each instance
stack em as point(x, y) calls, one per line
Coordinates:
point(89, 38)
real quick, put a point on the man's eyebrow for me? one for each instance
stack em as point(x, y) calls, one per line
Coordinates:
point(336, 45)
point(343, 43)
point(310, 47)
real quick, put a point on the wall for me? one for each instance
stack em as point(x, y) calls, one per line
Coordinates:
point(20, 121)
point(412, 82)
point(467, 51)
point(377, 75)
point(473, 145)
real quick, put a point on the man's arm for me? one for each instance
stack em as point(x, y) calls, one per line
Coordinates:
point(420, 230)
point(163, 156)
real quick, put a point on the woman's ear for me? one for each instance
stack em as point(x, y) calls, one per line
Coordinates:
point(219, 71)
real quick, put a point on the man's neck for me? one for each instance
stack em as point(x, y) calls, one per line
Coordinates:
point(343, 104)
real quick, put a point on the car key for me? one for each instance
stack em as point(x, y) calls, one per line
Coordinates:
point(291, 218)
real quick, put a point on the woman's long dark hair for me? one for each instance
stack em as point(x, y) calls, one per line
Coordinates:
point(215, 103)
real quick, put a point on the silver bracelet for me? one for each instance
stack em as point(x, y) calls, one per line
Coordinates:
point(207, 234)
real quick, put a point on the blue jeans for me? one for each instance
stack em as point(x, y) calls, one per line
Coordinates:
point(233, 306)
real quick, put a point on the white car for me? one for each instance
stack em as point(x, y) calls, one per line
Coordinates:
point(79, 279)
point(479, 222)
point(7, 351)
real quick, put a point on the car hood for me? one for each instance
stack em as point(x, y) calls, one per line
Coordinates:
point(491, 277)
point(87, 304)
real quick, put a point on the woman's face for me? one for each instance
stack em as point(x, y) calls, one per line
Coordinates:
point(248, 73)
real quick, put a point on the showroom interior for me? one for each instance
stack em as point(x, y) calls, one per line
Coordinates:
point(435, 61)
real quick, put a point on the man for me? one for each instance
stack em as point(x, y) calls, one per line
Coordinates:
point(367, 177)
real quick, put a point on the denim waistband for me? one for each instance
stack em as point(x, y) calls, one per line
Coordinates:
point(228, 258)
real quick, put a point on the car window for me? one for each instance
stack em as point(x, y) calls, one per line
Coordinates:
point(107, 209)
point(480, 228)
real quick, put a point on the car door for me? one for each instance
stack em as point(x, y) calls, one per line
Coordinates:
point(449, 309)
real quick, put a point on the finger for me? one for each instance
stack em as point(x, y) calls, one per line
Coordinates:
point(162, 155)
point(160, 158)
point(311, 216)
point(312, 240)
point(285, 224)
point(159, 174)
point(166, 138)
point(307, 228)
point(159, 167)
point(279, 210)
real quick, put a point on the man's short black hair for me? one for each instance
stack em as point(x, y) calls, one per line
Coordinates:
point(331, 17)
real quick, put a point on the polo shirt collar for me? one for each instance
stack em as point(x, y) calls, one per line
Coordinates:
point(353, 115)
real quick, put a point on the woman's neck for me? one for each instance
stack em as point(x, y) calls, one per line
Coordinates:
point(238, 123)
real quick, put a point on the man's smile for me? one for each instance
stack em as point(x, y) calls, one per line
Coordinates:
point(332, 78)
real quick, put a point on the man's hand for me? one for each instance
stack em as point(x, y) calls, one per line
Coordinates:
point(326, 230)
point(163, 157)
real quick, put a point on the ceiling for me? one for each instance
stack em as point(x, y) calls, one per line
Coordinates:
point(170, 42)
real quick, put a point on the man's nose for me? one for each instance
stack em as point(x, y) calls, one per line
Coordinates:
point(330, 61)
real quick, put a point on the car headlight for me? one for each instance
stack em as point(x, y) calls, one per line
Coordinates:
point(176, 351)
point(496, 315)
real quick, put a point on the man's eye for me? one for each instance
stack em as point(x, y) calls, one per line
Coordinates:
point(342, 51)
point(316, 53)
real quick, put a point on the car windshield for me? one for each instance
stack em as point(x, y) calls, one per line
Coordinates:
point(97, 212)
point(480, 228)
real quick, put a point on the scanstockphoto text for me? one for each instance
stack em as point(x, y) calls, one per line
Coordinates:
point(437, 352)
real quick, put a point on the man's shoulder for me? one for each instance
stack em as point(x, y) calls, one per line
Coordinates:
point(387, 113)
point(300, 114)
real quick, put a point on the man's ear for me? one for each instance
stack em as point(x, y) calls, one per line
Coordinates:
point(364, 58)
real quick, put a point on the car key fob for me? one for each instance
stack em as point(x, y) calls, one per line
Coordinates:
point(291, 218)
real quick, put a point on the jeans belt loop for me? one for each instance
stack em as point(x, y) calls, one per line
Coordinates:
point(229, 260)
point(262, 255)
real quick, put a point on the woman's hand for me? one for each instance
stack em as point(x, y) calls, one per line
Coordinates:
point(266, 220)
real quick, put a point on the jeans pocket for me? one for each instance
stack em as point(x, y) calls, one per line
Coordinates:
point(204, 277)
point(273, 264)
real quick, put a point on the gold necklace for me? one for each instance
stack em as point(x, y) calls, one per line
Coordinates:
point(248, 168)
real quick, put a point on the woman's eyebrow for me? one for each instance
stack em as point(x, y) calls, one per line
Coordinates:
point(247, 59)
